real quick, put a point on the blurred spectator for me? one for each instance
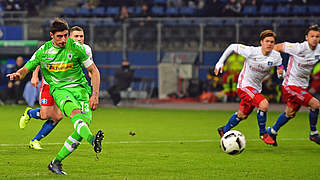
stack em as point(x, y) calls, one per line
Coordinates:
point(91, 4)
point(146, 13)
point(12, 5)
point(123, 78)
point(124, 14)
point(230, 77)
point(178, 3)
point(315, 83)
point(15, 88)
point(232, 8)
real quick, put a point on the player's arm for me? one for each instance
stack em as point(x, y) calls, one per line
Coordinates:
point(95, 82)
point(19, 75)
point(35, 76)
point(231, 48)
point(279, 47)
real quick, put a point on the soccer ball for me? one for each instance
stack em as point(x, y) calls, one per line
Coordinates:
point(233, 142)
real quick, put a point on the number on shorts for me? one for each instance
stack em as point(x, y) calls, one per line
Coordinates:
point(84, 107)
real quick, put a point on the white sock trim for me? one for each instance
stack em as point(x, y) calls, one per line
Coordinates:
point(80, 125)
point(273, 131)
point(313, 132)
point(68, 146)
point(73, 140)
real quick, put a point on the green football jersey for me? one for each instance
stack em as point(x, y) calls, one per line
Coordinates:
point(62, 67)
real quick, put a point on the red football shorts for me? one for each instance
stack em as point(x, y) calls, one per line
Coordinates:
point(250, 98)
point(45, 98)
point(295, 96)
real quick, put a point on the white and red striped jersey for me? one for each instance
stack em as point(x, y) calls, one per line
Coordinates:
point(301, 62)
point(88, 52)
point(256, 66)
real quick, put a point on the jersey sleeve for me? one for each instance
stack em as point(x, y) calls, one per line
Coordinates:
point(243, 50)
point(233, 48)
point(34, 60)
point(82, 55)
point(291, 48)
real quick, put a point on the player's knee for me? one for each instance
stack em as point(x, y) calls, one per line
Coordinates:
point(241, 115)
point(291, 114)
point(264, 105)
point(44, 116)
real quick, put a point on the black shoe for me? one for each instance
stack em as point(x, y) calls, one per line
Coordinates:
point(97, 140)
point(273, 136)
point(315, 138)
point(220, 131)
point(56, 168)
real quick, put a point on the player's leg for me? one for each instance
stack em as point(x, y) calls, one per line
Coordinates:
point(27, 115)
point(72, 142)
point(292, 97)
point(262, 115)
point(53, 116)
point(74, 103)
point(245, 109)
point(314, 106)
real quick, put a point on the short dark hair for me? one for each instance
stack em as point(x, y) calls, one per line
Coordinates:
point(58, 24)
point(267, 33)
point(76, 28)
point(314, 27)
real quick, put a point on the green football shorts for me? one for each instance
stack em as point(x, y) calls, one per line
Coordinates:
point(79, 98)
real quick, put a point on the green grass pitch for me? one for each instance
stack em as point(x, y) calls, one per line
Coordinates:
point(169, 144)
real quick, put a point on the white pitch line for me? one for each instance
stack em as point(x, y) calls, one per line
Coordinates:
point(158, 141)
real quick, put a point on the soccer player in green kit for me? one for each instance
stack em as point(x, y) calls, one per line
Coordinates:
point(61, 61)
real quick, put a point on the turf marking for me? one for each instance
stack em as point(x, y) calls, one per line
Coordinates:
point(158, 141)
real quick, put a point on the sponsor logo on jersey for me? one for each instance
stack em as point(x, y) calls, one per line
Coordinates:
point(44, 101)
point(60, 67)
point(270, 63)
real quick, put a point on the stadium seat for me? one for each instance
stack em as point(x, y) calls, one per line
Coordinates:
point(187, 11)
point(268, 1)
point(266, 10)
point(83, 12)
point(157, 11)
point(248, 22)
point(299, 22)
point(249, 10)
point(282, 10)
point(230, 22)
point(314, 10)
point(265, 22)
point(172, 11)
point(283, 22)
point(299, 10)
point(185, 22)
point(215, 22)
point(137, 11)
point(112, 11)
point(69, 12)
point(159, 2)
point(131, 9)
point(98, 11)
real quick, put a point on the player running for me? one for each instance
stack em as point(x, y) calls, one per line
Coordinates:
point(259, 61)
point(61, 61)
point(294, 87)
point(49, 110)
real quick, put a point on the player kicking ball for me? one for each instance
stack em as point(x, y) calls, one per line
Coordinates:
point(303, 57)
point(61, 61)
point(259, 61)
point(49, 111)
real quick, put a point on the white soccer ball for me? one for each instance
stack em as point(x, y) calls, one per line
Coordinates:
point(233, 142)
